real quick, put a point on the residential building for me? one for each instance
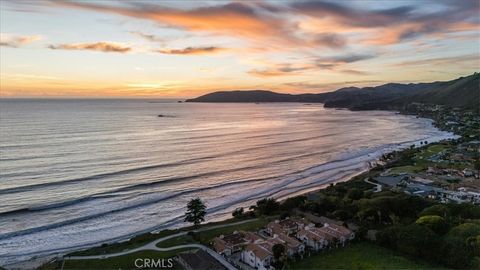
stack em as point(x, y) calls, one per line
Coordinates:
point(286, 226)
point(231, 243)
point(293, 245)
point(314, 238)
point(257, 256)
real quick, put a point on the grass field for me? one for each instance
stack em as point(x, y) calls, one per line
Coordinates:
point(206, 236)
point(405, 169)
point(121, 262)
point(360, 256)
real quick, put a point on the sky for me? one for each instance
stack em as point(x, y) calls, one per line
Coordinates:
point(187, 48)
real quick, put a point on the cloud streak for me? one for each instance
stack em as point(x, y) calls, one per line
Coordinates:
point(280, 70)
point(149, 37)
point(15, 41)
point(333, 63)
point(192, 50)
point(97, 46)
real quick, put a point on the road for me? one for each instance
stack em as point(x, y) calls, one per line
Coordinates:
point(377, 188)
point(153, 246)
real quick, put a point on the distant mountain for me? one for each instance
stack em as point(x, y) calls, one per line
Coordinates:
point(244, 96)
point(256, 96)
point(462, 92)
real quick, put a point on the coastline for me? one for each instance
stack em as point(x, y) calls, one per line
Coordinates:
point(39, 258)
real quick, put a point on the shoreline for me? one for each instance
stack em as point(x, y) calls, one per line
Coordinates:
point(39, 259)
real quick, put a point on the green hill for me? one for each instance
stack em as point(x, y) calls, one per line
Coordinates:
point(463, 92)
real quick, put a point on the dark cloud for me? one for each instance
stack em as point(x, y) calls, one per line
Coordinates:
point(334, 61)
point(98, 46)
point(330, 86)
point(354, 17)
point(192, 50)
point(330, 40)
point(401, 23)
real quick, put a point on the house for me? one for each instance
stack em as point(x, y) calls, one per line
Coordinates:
point(293, 245)
point(231, 243)
point(286, 226)
point(339, 232)
point(257, 256)
point(274, 228)
point(328, 221)
point(314, 238)
point(198, 260)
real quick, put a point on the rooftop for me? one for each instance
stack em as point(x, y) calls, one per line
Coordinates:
point(259, 251)
point(235, 238)
point(199, 260)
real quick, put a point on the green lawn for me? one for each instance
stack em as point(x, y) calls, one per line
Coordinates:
point(431, 150)
point(121, 262)
point(118, 247)
point(362, 255)
point(206, 236)
point(180, 240)
point(405, 169)
point(437, 148)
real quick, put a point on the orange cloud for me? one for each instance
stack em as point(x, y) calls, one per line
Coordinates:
point(192, 50)
point(98, 46)
point(15, 41)
point(232, 19)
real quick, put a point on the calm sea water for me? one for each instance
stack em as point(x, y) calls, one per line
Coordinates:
point(74, 173)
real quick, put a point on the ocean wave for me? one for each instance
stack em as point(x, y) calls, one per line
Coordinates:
point(307, 172)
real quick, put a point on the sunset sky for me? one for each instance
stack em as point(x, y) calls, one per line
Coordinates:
point(184, 49)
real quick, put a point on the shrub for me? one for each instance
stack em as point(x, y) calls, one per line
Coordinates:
point(434, 223)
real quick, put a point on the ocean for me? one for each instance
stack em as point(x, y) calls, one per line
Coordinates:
point(76, 173)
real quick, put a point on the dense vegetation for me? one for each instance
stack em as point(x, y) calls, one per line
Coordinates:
point(410, 225)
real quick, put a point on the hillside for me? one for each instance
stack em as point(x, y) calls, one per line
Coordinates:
point(256, 96)
point(462, 92)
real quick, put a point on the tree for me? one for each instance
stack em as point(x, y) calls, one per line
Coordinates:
point(413, 240)
point(238, 213)
point(293, 202)
point(278, 255)
point(437, 210)
point(435, 223)
point(464, 231)
point(267, 206)
point(278, 251)
point(354, 194)
point(454, 252)
point(195, 212)
point(473, 243)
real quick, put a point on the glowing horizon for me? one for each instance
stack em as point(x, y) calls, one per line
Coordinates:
point(185, 49)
